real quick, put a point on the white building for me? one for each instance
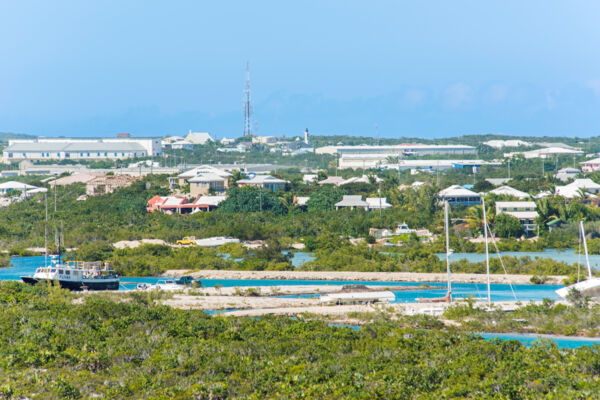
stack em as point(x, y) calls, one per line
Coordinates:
point(184, 177)
point(309, 178)
point(352, 202)
point(266, 182)
point(546, 152)
point(498, 144)
point(375, 203)
point(375, 156)
point(566, 174)
point(591, 165)
point(577, 188)
point(264, 139)
point(182, 145)
point(510, 191)
point(458, 195)
point(80, 149)
point(198, 137)
point(8, 187)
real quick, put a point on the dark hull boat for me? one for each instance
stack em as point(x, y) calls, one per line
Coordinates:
point(79, 285)
point(76, 275)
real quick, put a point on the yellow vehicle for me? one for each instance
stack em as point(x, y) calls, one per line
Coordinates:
point(187, 241)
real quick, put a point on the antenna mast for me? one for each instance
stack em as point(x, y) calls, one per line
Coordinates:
point(247, 104)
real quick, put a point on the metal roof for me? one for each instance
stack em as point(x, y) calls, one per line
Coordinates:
point(352, 201)
point(456, 190)
point(210, 177)
point(510, 191)
point(75, 147)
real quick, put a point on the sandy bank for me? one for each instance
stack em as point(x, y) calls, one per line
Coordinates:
point(360, 276)
point(228, 302)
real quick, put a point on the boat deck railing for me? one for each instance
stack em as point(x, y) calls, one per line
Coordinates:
point(88, 265)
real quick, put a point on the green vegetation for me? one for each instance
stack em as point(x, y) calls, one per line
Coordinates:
point(546, 318)
point(52, 347)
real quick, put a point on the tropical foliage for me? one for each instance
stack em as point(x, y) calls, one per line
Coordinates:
point(53, 347)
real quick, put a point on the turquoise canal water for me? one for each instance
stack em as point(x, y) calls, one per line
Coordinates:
point(499, 292)
point(526, 339)
point(568, 256)
point(27, 265)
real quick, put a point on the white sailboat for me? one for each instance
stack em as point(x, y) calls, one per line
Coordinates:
point(589, 287)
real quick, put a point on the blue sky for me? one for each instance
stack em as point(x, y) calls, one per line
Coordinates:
point(424, 69)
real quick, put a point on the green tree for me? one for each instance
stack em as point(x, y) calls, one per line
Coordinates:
point(507, 226)
point(324, 199)
point(251, 199)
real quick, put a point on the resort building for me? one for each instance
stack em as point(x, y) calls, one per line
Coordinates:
point(458, 195)
point(80, 149)
point(524, 211)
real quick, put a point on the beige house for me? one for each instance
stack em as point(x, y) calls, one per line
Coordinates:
point(108, 184)
point(202, 184)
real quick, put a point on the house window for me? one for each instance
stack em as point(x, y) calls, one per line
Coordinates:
point(105, 154)
point(115, 154)
point(80, 154)
point(123, 154)
point(98, 154)
point(9, 155)
point(24, 154)
point(88, 154)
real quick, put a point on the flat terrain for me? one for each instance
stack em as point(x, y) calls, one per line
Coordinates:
point(360, 276)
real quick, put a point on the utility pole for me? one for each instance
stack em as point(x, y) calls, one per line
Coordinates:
point(380, 198)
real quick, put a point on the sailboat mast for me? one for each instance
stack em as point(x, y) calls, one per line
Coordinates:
point(585, 249)
point(447, 249)
point(46, 232)
point(487, 255)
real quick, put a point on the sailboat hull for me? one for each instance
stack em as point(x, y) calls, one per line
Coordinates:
point(588, 288)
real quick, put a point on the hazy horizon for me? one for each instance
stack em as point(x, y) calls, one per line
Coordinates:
point(430, 70)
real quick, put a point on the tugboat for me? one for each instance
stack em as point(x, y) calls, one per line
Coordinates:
point(72, 275)
point(76, 275)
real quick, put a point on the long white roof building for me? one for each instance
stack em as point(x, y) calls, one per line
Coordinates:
point(80, 148)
